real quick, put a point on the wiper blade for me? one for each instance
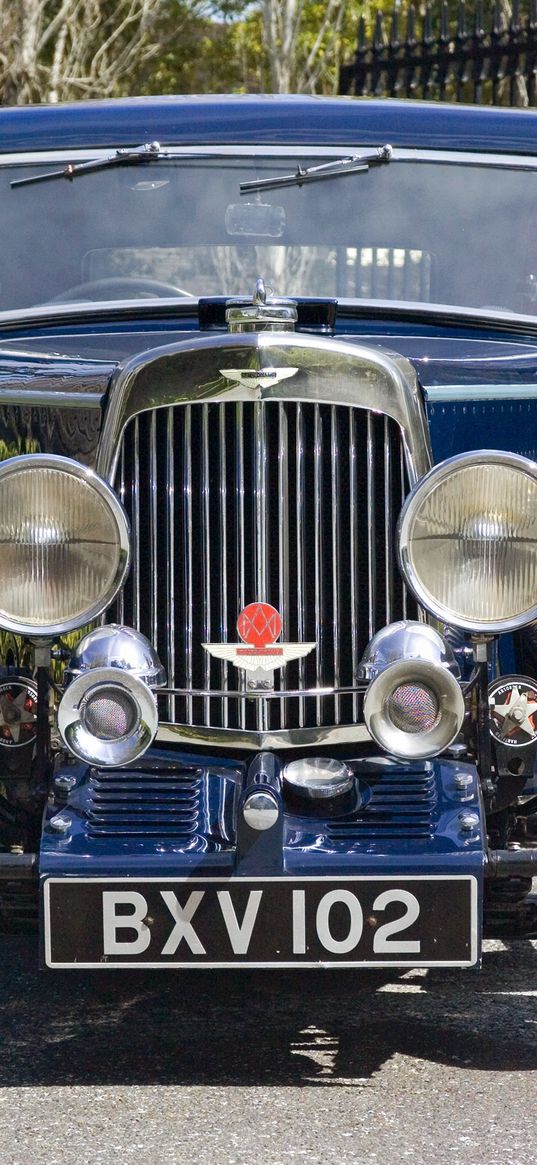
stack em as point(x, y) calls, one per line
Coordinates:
point(149, 152)
point(340, 166)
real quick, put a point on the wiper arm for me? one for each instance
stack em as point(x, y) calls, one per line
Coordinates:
point(149, 152)
point(334, 169)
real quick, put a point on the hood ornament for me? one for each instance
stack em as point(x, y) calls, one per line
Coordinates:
point(259, 627)
point(265, 313)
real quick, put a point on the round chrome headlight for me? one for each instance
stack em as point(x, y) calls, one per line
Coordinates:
point(468, 541)
point(64, 545)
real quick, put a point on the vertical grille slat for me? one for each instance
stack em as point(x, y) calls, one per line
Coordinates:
point(292, 503)
point(205, 513)
point(240, 533)
point(404, 489)
point(300, 549)
point(283, 531)
point(135, 520)
point(187, 551)
point(388, 541)
point(170, 565)
point(335, 508)
point(153, 486)
point(223, 543)
point(318, 532)
point(121, 492)
point(353, 550)
point(371, 532)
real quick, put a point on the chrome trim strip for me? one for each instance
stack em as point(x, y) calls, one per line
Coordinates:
point(405, 594)
point(50, 399)
point(121, 494)
point(284, 738)
point(136, 526)
point(285, 694)
point(477, 392)
point(399, 153)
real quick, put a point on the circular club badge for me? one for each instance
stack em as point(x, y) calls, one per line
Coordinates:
point(18, 710)
point(513, 711)
point(259, 625)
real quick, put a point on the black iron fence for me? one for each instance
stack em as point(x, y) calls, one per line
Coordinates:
point(486, 58)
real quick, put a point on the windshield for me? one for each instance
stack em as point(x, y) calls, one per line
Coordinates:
point(414, 231)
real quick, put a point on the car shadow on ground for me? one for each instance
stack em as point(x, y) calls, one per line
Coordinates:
point(259, 1028)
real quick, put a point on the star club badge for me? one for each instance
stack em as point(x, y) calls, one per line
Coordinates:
point(513, 711)
point(18, 711)
point(259, 627)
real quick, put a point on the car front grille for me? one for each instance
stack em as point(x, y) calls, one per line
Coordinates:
point(288, 502)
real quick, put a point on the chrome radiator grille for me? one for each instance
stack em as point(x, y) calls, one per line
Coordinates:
point(291, 503)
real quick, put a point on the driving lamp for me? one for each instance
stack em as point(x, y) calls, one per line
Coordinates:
point(414, 709)
point(468, 541)
point(107, 717)
point(64, 545)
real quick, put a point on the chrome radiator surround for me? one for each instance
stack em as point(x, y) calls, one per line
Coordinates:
point(251, 465)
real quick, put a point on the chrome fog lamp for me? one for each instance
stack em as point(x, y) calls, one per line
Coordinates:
point(64, 542)
point(468, 541)
point(108, 717)
point(119, 647)
point(414, 709)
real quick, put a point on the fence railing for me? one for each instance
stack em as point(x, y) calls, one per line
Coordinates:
point(488, 58)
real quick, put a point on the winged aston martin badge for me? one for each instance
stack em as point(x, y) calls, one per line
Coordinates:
point(257, 377)
point(259, 626)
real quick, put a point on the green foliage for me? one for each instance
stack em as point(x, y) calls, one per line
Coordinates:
point(222, 48)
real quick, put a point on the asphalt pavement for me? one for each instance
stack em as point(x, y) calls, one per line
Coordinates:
point(265, 1068)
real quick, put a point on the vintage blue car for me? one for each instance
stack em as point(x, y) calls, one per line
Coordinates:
point(268, 526)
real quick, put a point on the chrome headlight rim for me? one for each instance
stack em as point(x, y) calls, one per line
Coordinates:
point(407, 516)
point(89, 477)
point(95, 750)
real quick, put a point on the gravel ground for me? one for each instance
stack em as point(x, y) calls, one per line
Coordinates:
point(269, 1069)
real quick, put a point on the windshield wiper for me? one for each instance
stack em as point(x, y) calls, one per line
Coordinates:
point(340, 166)
point(149, 152)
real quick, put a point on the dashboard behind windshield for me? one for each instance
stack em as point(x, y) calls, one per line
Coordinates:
point(414, 231)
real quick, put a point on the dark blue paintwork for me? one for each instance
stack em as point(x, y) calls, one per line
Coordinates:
point(267, 119)
point(360, 842)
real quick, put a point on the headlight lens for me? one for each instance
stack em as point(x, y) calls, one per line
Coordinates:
point(468, 541)
point(64, 545)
